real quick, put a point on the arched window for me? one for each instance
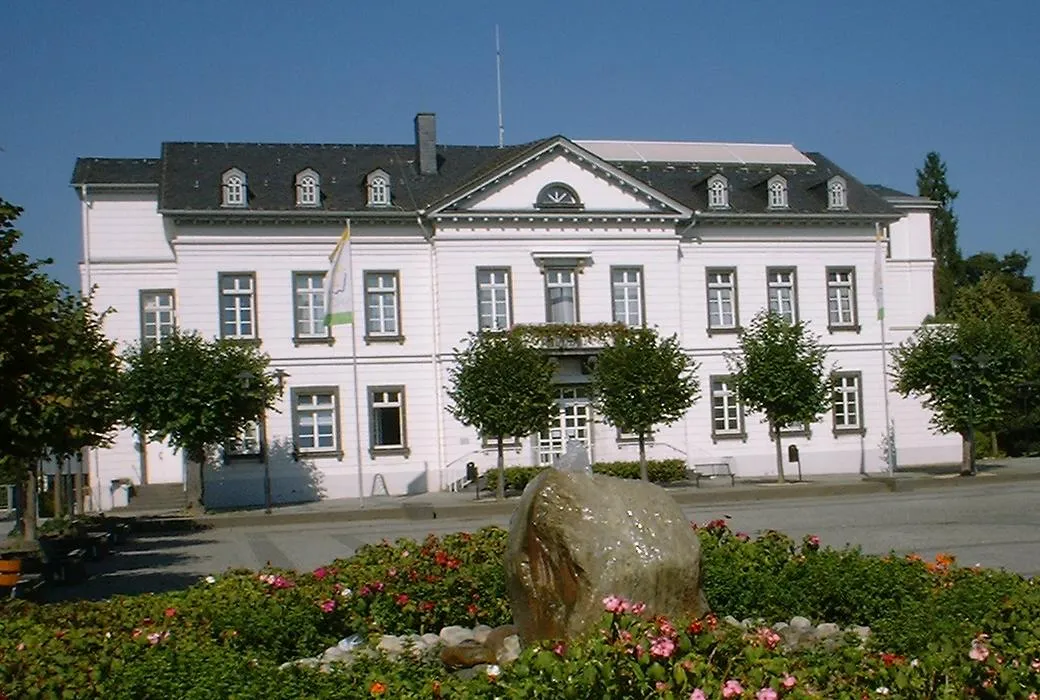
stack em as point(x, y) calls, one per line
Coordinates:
point(308, 189)
point(557, 195)
point(837, 193)
point(378, 189)
point(777, 192)
point(233, 188)
point(718, 192)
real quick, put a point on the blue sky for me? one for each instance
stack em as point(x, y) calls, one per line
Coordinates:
point(874, 85)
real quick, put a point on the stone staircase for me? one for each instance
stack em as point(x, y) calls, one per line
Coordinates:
point(156, 498)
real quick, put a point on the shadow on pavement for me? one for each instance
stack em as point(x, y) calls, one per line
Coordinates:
point(105, 585)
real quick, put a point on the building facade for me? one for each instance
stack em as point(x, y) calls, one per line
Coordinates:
point(233, 240)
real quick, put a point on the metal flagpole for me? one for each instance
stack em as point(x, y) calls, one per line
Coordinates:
point(354, 365)
point(879, 294)
point(498, 75)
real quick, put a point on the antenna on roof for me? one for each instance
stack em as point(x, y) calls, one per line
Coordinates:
point(498, 74)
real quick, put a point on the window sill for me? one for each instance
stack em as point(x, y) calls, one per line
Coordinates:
point(399, 339)
point(375, 452)
point(255, 342)
point(730, 330)
point(716, 437)
point(299, 455)
point(845, 329)
point(849, 431)
point(327, 340)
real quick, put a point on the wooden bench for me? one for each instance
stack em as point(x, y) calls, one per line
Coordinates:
point(60, 563)
point(711, 470)
point(15, 582)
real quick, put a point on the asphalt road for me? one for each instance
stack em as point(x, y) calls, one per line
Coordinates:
point(993, 525)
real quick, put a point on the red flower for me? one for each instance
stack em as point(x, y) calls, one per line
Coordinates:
point(170, 612)
point(472, 609)
point(695, 627)
point(402, 600)
point(426, 606)
point(377, 688)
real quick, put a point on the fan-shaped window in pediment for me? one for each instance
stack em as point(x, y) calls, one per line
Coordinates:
point(557, 196)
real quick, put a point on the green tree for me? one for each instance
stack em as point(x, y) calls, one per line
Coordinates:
point(780, 373)
point(58, 372)
point(198, 394)
point(1011, 269)
point(642, 380)
point(503, 387)
point(968, 372)
point(931, 183)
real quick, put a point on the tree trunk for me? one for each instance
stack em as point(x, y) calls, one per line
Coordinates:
point(968, 453)
point(994, 447)
point(500, 488)
point(193, 487)
point(779, 454)
point(642, 457)
point(59, 493)
point(30, 510)
point(77, 480)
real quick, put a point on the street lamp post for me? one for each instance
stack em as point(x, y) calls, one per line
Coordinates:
point(279, 376)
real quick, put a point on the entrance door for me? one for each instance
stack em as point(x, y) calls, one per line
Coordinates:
point(573, 421)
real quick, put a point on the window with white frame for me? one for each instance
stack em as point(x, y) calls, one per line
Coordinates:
point(722, 299)
point(777, 192)
point(494, 305)
point(309, 305)
point(315, 420)
point(718, 192)
point(626, 287)
point(386, 418)
point(837, 193)
point(157, 314)
point(308, 191)
point(378, 189)
point(247, 443)
point(841, 297)
point(561, 295)
point(782, 291)
point(727, 413)
point(382, 305)
point(234, 188)
point(848, 402)
point(238, 305)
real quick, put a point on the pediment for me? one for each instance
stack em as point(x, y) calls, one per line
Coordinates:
point(533, 185)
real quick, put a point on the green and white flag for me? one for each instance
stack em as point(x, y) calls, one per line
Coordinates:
point(339, 299)
point(880, 248)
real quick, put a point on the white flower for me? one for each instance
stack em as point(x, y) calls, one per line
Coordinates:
point(493, 671)
point(882, 691)
point(211, 579)
point(346, 593)
point(915, 663)
point(108, 635)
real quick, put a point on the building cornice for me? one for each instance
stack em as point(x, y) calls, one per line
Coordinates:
point(792, 218)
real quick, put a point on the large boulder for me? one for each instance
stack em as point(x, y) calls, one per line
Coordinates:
point(577, 537)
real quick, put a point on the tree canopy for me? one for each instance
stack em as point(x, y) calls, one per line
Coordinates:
point(932, 183)
point(779, 371)
point(642, 380)
point(195, 393)
point(503, 387)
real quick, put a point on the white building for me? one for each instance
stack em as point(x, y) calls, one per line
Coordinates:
point(694, 238)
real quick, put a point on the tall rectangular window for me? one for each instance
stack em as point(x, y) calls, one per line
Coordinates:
point(848, 402)
point(238, 305)
point(841, 298)
point(626, 290)
point(386, 419)
point(782, 292)
point(561, 296)
point(309, 305)
point(157, 314)
point(316, 420)
point(248, 443)
point(382, 305)
point(727, 413)
point(494, 303)
point(722, 299)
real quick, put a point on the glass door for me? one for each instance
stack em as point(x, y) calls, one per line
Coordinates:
point(572, 421)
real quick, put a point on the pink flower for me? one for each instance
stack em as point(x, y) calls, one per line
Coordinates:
point(613, 604)
point(321, 572)
point(402, 600)
point(979, 651)
point(1035, 665)
point(154, 638)
point(766, 694)
point(328, 606)
point(768, 637)
point(660, 686)
point(170, 612)
point(698, 694)
point(638, 608)
point(665, 627)
point(742, 536)
point(1034, 696)
point(790, 682)
point(663, 647)
point(732, 688)
point(560, 649)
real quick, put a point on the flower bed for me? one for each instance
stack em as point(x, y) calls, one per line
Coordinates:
point(938, 630)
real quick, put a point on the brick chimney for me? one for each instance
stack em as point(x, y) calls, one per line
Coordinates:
point(426, 142)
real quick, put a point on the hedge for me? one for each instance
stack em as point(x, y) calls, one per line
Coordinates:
point(660, 471)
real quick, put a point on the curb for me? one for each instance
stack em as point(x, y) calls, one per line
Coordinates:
point(474, 509)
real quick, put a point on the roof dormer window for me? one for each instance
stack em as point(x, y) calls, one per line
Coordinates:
point(777, 192)
point(308, 188)
point(557, 195)
point(378, 189)
point(233, 186)
point(718, 192)
point(837, 193)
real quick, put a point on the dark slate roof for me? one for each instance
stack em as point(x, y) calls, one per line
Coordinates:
point(806, 186)
point(116, 171)
point(191, 173)
point(884, 191)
